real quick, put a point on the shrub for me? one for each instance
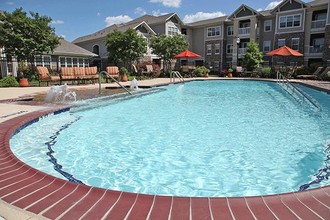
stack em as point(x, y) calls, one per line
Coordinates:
point(201, 71)
point(302, 70)
point(9, 81)
point(325, 76)
point(123, 71)
point(266, 72)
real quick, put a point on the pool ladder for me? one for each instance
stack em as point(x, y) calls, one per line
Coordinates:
point(176, 74)
point(294, 91)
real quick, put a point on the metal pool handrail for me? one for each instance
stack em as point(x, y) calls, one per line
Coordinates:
point(281, 78)
point(178, 75)
point(108, 75)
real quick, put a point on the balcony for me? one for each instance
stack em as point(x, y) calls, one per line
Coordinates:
point(241, 51)
point(244, 31)
point(317, 24)
point(316, 49)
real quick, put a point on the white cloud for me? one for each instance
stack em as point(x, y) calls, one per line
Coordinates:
point(62, 35)
point(140, 11)
point(168, 3)
point(259, 9)
point(57, 22)
point(10, 3)
point(202, 16)
point(158, 13)
point(117, 19)
point(98, 14)
point(272, 5)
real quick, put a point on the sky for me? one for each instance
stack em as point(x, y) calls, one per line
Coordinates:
point(76, 18)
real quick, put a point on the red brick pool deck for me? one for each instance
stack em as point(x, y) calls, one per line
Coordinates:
point(49, 197)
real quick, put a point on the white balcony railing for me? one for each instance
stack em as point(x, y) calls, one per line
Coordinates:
point(244, 31)
point(242, 51)
point(316, 49)
point(318, 24)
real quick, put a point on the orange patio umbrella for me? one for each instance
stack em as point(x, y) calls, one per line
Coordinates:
point(284, 51)
point(187, 54)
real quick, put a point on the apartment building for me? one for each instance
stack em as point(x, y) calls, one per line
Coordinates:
point(223, 41)
point(301, 26)
point(146, 25)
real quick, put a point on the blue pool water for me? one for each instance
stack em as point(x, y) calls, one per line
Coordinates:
point(211, 138)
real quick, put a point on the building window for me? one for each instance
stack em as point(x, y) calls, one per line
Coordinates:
point(172, 30)
point(96, 49)
point(75, 62)
point(216, 65)
point(266, 46)
point(281, 42)
point(208, 49)
point(229, 49)
point(46, 60)
point(230, 30)
point(81, 62)
point(86, 62)
point(295, 44)
point(213, 31)
point(267, 25)
point(62, 62)
point(217, 48)
point(290, 21)
point(69, 62)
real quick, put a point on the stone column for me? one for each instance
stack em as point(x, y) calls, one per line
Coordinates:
point(235, 48)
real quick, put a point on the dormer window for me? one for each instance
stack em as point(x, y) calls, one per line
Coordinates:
point(213, 31)
point(172, 30)
point(290, 21)
point(96, 49)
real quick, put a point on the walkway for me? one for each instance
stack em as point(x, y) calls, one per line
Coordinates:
point(40, 196)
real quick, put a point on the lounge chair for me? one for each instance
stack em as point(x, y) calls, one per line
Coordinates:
point(44, 76)
point(312, 76)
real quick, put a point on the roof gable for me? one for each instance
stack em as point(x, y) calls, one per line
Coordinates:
point(288, 5)
point(243, 11)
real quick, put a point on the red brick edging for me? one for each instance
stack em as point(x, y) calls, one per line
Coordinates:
point(50, 197)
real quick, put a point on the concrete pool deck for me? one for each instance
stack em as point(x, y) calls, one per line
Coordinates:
point(30, 194)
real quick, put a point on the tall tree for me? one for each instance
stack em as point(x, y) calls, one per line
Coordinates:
point(253, 57)
point(166, 47)
point(25, 36)
point(125, 47)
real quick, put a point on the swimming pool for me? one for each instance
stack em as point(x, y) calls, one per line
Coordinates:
point(216, 138)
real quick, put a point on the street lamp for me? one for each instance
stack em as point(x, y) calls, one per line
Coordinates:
point(238, 40)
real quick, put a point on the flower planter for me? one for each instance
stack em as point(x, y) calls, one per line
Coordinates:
point(23, 82)
point(123, 78)
point(230, 75)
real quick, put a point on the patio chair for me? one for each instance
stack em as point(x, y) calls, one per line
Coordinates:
point(113, 71)
point(44, 76)
point(315, 75)
point(185, 71)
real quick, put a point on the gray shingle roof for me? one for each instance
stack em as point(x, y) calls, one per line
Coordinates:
point(207, 21)
point(148, 19)
point(67, 48)
point(318, 2)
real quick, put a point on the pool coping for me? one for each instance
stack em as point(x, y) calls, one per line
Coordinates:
point(44, 196)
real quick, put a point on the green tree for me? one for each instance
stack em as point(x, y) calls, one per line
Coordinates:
point(166, 47)
point(253, 56)
point(25, 36)
point(125, 47)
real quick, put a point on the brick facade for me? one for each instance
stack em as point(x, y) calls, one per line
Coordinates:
point(288, 42)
